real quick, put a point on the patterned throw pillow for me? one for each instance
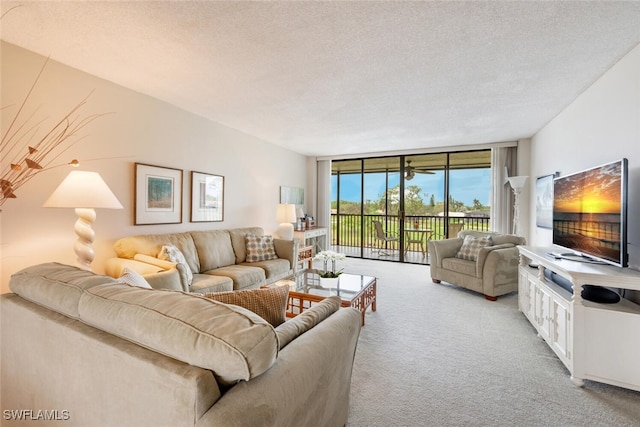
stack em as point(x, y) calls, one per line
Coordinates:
point(471, 247)
point(268, 303)
point(133, 278)
point(260, 248)
point(173, 254)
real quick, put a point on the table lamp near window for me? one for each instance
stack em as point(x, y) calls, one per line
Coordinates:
point(286, 216)
point(83, 191)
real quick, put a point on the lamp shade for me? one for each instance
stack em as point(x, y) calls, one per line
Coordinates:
point(83, 189)
point(517, 181)
point(286, 213)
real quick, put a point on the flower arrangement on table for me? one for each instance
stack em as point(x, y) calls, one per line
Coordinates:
point(325, 257)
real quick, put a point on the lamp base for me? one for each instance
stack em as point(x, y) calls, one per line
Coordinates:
point(86, 236)
point(285, 231)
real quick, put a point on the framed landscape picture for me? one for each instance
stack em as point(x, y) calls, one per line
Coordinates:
point(158, 195)
point(292, 195)
point(207, 197)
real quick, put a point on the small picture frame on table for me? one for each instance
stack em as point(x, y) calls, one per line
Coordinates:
point(207, 197)
point(158, 195)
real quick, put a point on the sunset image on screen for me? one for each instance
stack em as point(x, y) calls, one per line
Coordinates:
point(590, 192)
point(588, 212)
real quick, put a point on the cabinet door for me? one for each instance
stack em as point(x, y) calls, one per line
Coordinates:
point(524, 301)
point(542, 307)
point(526, 294)
point(560, 328)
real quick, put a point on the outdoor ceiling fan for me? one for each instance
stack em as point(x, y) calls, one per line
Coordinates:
point(410, 171)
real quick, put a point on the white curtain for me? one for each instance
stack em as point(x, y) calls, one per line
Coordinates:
point(324, 197)
point(503, 162)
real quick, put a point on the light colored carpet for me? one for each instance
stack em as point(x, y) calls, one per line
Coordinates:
point(438, 355)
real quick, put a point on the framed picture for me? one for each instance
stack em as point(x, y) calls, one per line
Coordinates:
point(292, 195)
point(158, 195)
point(544, 201)
point(207, 197)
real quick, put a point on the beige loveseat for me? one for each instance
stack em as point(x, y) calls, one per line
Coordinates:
point(80, 349)
point(217, 260)
point(494, 272)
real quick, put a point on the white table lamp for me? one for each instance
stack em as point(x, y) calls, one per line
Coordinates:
point(286, 216)
point(83, 191)
point(517, 184)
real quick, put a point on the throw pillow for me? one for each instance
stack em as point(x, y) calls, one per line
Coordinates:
point(268, 303)
point(173, 254)
point(133, 278)
point(471, 247)
point(260, 248)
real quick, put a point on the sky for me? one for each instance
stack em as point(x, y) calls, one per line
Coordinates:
point(466, 185)
point(597, 190)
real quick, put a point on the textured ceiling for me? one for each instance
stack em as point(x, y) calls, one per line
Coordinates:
point(336, 78)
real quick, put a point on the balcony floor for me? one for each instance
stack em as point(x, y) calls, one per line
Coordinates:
point(413, 257)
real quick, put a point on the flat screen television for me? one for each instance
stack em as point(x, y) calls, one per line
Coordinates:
point(590, 213)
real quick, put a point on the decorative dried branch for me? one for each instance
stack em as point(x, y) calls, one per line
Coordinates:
point(31, 151)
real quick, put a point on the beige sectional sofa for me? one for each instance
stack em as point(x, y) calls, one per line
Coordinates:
point(217, 260)
point(95, 352)
point(493, 272)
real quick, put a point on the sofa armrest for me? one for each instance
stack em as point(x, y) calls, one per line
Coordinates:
point(323, 355)
point(305, 321)
point(167, 279)
point(440, 249)
point(484, 252)
point(156, 276)
point(165, 265)
point(490, 258)
point(287, 249)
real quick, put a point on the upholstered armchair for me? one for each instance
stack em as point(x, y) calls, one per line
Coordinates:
point(484, 262)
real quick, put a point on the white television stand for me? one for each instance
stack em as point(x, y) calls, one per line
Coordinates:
point(598, 342)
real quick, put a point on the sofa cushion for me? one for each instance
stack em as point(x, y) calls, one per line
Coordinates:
point(269, 303)
point(239, 243)
point(173, 254)
point(497, 238)
point(471, 247)
point(260, 248)
point(232, 342)
point(460, 265)
point(243, 276)
point(508, 238)
point(293, 328)
point(133, 278)
point(203, 283)
point(214, 249)
point(55, 286)
point(273, 268)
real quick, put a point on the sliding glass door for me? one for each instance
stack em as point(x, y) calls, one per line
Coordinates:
point(424, 183)
point(389, 207)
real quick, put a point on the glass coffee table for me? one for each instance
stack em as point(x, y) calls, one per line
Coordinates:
point(354, 290)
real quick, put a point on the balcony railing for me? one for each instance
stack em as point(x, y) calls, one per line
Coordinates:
point(358, 231)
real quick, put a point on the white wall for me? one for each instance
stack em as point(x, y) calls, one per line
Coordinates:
point(601, 125)
point(138, 129)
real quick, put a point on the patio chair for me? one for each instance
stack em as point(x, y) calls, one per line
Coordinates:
point(454, 229)
point(384, 238)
